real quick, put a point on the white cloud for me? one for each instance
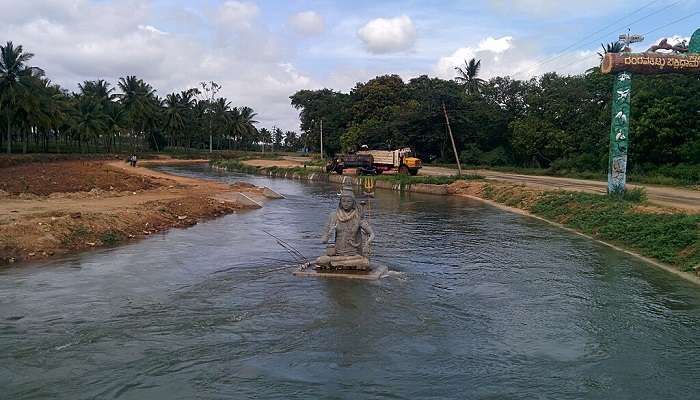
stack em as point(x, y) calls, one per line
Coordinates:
point(507, 57)
point(152, 29)
point(237, 14)
point(496, 45)
point(307, 23)
point(112, 40)
point(383, 35)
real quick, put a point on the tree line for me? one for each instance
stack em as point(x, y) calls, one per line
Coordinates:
point(551, 121)
point(39, 115)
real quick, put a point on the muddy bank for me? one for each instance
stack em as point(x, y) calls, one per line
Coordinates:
point(51, 209)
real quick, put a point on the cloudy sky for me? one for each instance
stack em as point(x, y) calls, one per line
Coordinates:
point(263, 51)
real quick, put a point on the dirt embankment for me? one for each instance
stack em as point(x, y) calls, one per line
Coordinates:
point(48, 209)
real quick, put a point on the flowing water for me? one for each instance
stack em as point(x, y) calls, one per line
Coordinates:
point(482, 304)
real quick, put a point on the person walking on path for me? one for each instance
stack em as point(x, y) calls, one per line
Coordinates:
point(132, 160)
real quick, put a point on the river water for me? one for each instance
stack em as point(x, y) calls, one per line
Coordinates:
point(482, 304)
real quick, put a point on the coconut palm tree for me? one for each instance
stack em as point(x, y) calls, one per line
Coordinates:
point(99, 89)
point(174, 116)
point(140, 104)
point(16, 79)
point(87, 119)
point(116, 124)
point(51, 109)
point(467, 76)
point(244, 126)
point(221, 118)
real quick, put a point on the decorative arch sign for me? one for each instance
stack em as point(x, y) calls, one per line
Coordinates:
point(681, 59)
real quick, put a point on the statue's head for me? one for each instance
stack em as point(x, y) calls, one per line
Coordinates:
point(347, 203)
point(347, 199)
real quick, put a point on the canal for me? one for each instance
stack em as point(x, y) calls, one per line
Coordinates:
point(480, 304)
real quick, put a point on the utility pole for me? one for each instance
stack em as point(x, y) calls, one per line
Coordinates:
point(454, 148)
point(322, 159)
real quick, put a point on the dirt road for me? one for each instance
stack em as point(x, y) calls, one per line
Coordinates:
point(661, 195)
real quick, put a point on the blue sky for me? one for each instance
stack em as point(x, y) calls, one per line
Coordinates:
point(263, 51)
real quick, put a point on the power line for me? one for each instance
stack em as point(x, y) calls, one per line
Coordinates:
point(673, 22)
point(604, 35)
point(541, 61)
point(654, 30)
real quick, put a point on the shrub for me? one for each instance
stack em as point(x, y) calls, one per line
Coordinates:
point(111, 237)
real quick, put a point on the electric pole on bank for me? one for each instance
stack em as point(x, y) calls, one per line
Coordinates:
point(452, 139)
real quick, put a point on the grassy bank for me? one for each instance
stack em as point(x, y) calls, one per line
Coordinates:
point(405, 180)
point(667, 235)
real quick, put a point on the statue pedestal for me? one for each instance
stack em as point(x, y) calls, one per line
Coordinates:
point(375, 272)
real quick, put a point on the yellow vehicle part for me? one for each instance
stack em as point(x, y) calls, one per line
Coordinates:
point(412, 162)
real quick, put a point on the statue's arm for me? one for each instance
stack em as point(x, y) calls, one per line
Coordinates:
point(368, 230)
point(369, 237)
point(328, 229)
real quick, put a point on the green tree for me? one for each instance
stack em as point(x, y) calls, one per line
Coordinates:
point(468, 76)
point(278, 137)
point(291, 140)
point(330, 106)
point(87, 119)
point(264, 137)
point(140, 106)
point(16, 81)
point(221, 119)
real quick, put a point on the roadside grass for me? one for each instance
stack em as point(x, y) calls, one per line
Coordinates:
point(407, 180)
point(670, 237)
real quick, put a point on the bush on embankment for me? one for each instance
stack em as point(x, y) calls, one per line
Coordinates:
point(669, 236)
point(407, 180)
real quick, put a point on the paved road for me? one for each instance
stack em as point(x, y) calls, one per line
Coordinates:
point(661, 195)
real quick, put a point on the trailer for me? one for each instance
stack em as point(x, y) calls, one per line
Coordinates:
point(401, 160)
point(363, 164)
point(375, 162)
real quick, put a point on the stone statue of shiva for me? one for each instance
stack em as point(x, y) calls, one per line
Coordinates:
point(353, 237)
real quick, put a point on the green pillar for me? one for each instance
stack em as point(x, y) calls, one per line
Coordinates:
point(694, 45)
point(619, 133)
